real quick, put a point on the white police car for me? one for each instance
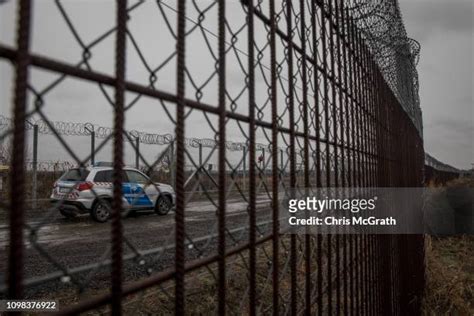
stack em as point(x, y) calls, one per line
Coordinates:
point(84, 190)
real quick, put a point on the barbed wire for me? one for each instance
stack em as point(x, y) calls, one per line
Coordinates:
point(49, 165)
point(85, 129)
point(438, 165)
point(397, 55)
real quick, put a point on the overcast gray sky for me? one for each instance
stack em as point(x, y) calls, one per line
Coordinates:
point(444, 29)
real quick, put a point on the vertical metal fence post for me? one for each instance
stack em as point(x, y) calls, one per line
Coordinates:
point(324, 40)
point(244, 167)
point(180, 160)
point(291, 110)
point(348, 144)
point(34, 171)
point(379, 137)
point(252, 162)
point(92, 147)
point(35, 167)
point(338, 133)
point(172, 161)
point(352, 163)
point(316, 42)
point(201, 167)
point(119, 118)
point(305, 83)
point(137, 152)
point(90, 128)
point(357, 159)
point(275, 199)
point(374, 154)
point(222, 159)
point(365, 129)
point(332, 55)
point(17, 175)
point(200, 155)
point(362, 165)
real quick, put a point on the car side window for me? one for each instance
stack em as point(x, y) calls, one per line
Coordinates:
point(135, 177)
point(104, 176)
point(108, 176)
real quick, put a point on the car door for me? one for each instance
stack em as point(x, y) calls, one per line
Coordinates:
point(103, 186)
point(141, 192)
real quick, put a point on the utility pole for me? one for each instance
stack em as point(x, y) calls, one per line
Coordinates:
point(90, 128)
point(35, 164)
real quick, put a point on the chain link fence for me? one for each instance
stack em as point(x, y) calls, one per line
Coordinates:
point(296, 93)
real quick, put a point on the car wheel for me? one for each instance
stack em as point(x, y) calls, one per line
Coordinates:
point(163, 205)
point(101, 211)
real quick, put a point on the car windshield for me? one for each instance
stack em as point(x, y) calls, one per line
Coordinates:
point(79, 174)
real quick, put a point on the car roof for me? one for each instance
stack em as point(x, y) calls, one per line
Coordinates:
point(111, 168)
point(103, 168)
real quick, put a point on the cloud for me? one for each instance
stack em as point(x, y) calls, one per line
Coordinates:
point(455, 126)
point(445, 32)
point(428, 18)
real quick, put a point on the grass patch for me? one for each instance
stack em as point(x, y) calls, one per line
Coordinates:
point(450, 276)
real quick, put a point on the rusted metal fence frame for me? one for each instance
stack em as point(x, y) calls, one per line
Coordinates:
point(22, 61)
point(375, 144)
